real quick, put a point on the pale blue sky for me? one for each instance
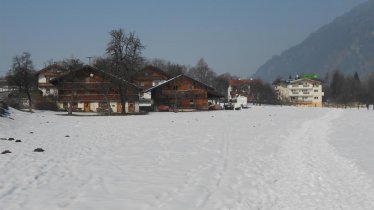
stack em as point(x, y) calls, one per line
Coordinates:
point(232, 36)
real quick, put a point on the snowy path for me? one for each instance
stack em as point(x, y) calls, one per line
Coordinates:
point(261, 158)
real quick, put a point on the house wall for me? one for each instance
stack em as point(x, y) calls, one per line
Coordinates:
point(184, 92)
point(81, 106)
point(93, 106)
point(134, 109)
point(44, 77)
point(282, 92)
point(149, 77)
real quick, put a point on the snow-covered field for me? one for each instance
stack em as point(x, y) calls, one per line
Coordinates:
point(259, 158)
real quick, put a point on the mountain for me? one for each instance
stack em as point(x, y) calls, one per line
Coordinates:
point(346, 44)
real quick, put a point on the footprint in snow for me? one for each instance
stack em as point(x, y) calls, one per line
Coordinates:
point(5, 152)
point(39, 150)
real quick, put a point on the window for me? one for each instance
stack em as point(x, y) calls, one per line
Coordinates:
point(191, 87)
point(142, 84)
point(295, 91)
point(315, 97)
point(316, 91)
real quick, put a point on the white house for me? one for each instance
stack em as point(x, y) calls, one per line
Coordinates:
point(301, 92)
point(45, 75)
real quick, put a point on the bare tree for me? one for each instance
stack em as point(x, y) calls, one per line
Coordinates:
point(23, 75)
point(202, 72)
point(124, 50)
point(173, 69)
point(336, 86)
point(221, 83)
point(70, 64)
point(369, 91)
point(104, 64)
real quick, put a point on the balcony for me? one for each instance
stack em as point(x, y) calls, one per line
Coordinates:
point(300, 87)
point(86, 85)
point(45, 84)
point(300, 94)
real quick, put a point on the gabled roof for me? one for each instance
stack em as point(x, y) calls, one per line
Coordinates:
point(153, 68)
point(51, 67)
point(238, 82)
point(91, 68)
point(307, 79)
point(210, 90)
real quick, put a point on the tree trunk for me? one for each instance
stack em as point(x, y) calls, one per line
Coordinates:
point(70, 110)
point(29, 98)
point(108, 104)
point(122, 94)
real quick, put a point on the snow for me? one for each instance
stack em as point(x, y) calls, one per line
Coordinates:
point(264, 157)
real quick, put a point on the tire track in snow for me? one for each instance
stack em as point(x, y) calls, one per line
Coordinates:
point(221, 173)
point(313, 176)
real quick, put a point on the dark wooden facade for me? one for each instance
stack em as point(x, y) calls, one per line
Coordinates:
point(92, 90)
point(183, 92)
point(150, 76)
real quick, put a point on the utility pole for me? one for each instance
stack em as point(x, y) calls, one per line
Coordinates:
point(89, 59)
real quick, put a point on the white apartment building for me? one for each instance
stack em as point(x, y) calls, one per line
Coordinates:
point(301, 92)
point(306, 92)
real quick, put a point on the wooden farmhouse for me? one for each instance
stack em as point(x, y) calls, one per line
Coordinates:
point(146, 78)
point(91, 90)
point(183, 93)
point(150, 76)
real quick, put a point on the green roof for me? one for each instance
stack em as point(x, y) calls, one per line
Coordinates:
point(310, 76)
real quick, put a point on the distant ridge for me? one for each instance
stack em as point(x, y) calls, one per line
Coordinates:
point(347, 44)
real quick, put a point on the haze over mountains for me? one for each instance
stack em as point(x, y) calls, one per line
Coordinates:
point(346, 44)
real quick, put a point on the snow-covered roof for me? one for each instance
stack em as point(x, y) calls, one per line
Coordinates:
point(306, 79)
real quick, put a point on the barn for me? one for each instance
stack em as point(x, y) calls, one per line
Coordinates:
point(183, 93)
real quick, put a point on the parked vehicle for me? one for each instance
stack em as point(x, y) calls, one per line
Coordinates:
point(163, 108)
point(240, 102)
point(229, 106)
point(215, 107)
